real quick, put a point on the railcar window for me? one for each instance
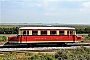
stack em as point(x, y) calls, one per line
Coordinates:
point(34, 32)
point(71, 32)
point(74, 32)
point(27, 32)
point(61, 32)
point(43, 32)
point(24, 32)
point(67, 32)
point(52, 32)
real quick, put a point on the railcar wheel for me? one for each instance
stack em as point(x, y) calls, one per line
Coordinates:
point(31, 45)
point(7, 43)
point(61, 44)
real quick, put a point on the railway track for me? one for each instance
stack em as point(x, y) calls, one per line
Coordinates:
point(45, 45)
point(41, 48)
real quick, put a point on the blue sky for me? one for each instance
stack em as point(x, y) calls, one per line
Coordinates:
point(45, 11)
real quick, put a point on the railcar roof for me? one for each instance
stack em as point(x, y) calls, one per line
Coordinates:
point(46, 28)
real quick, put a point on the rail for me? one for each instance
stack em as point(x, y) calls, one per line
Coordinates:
point(15, 48)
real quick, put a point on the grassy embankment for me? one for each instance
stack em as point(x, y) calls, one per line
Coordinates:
point(81, 53)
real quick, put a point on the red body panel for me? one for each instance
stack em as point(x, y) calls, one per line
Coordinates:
point(12, 39)
point(36, 39)
point(42, 39)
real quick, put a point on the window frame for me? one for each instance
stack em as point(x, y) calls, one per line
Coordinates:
point(35, 33)
point(61, 33)
point(53, 32)
point(43, 31)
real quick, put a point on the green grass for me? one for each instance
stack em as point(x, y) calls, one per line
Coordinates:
point(82, 34)
point(8, 35)
point(81, 53)
point(4, 37)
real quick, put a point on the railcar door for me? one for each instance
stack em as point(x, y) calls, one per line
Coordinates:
point(24, 37)
point(73, 37)
point(20, 38)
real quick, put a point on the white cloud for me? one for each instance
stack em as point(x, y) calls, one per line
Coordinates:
point(81, 10)
point(45, 1)
point(52, 0)
point(74, 0)
point(39, 5)
point(31, 4)
point(86, 7)
point(62, 0)
point(47, 14)
point(51, 14)
point(4, 0)
point(84, 10)
point(86, 4)
point(52, 9)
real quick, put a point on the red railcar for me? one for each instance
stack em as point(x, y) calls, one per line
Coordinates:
point(45, 35)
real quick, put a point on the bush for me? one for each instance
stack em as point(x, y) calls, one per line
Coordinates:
point(8, 56)
point(82, 53)
point(41, 56)
point(3, 38)
point(89, 34)
point(86, 37)
point(61, 55)
point(28, 54)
